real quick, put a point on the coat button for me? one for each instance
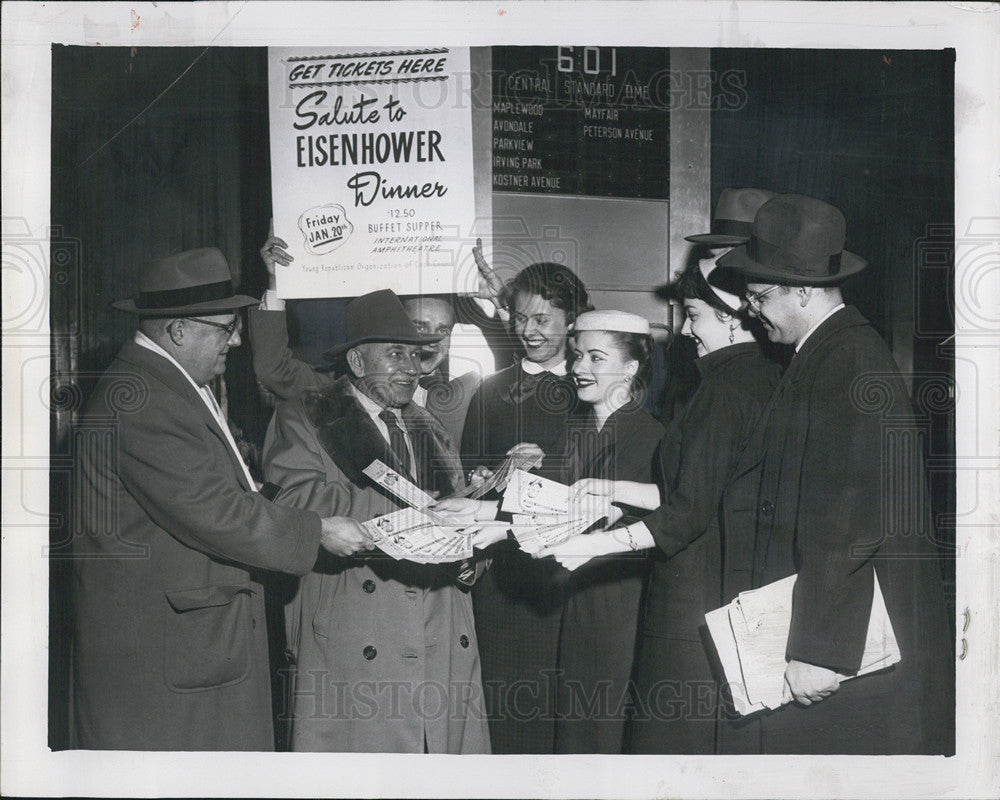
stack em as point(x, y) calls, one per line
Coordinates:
point(368, 586)
point(767, 508)
point(463, 640)
point(369, 652)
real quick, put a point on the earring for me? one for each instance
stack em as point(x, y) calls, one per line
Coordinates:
point(732, 334)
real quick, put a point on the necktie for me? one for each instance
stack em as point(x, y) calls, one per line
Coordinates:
point(397, 440)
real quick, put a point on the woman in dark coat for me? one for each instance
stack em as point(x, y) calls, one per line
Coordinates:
point(676, 690)
point(611, 438)
point(518, 602)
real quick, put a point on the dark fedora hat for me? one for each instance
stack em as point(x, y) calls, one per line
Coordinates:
point(192, 282)
point(378, 317)
point(733, 219)
point(796, 241)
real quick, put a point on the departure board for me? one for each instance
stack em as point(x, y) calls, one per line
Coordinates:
point(582, 120)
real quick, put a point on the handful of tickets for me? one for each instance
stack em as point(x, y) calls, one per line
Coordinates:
point(516, 461)
point(533, 494)
point(413, 535)
point(543, 514)
point(534, 532)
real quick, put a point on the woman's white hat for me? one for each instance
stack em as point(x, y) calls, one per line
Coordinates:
point(621, 321)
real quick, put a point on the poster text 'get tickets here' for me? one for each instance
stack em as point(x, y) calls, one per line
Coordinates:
point(371, 168)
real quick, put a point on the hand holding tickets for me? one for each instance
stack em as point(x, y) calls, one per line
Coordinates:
point(522, 456)
point(544, 514)
point(412, 535)
point(342, 536)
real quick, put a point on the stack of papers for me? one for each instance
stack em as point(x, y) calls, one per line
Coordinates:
point(412, 535)
point(751, 634)
point(542, 513)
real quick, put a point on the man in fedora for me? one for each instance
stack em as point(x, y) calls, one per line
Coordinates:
point(444, 395)
point(169, 648)
point(386, 651)
point(839, 493)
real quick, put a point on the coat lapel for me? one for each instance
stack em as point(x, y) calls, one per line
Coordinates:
point(169, 375)
point(346, 431)
point(351, 439)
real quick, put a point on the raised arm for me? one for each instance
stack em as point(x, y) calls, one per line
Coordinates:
point(276, 366)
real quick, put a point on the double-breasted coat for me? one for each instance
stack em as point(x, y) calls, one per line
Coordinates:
point(386, 652)
point(169, 634)
point(832, 487)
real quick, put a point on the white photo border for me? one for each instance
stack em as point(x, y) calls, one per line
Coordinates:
point(973, 29)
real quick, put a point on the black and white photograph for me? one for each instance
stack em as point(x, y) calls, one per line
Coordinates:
point(470, 399)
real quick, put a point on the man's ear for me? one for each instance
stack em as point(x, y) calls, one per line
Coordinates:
point(356, 362)
point(805, 295)
point(175, 330)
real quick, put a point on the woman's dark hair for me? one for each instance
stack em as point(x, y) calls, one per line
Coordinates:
point(552, 282)
point(691, 285)
point(636, 347)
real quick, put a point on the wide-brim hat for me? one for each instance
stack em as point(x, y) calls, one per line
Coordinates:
point(796, 241)
point(732, 223)
point(187, 283)
point(378, 317)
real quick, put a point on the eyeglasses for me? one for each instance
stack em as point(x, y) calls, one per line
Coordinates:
point(754, 298)
point(230, 327)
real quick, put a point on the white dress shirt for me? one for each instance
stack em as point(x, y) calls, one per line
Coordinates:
point(373, 410)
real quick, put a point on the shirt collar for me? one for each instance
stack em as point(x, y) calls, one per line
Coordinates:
point(143, 340)
point(372, 408)
point(819, 322)
point(531, 368)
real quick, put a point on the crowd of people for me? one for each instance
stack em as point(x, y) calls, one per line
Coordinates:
point(597, 644)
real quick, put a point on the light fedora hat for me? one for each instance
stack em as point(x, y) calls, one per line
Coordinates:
point(732, 223)
point(378, 317)
point(184, 284)
point(796, 241)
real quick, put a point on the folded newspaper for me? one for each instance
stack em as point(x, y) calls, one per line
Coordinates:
point(751, 634)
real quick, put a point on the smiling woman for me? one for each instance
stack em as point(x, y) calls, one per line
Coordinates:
point(611, 438)
point(519, 600)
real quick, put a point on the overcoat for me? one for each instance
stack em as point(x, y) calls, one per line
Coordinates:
point(676, 703)
point(386, 651)
point(597, 636)
point(519, 599)
point(169, 645)
point(833, 483)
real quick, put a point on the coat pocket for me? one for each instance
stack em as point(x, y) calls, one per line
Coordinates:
point(207, 638)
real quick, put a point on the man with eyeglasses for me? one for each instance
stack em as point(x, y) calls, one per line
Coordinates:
point(441, 391)
point(169, 635)
point(835, 472)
